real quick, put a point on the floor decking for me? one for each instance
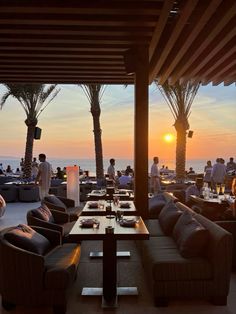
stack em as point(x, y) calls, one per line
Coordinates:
point(130, 273)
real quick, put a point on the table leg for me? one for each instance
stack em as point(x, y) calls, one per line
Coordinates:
point(109, 272)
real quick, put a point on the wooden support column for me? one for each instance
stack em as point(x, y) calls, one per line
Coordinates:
point(141, 132)
point(137, 62)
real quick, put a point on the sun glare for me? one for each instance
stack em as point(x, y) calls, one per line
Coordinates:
point(168, 138)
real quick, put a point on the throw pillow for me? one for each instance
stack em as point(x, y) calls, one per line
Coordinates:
point(43, 213)
point(55, 201)
point(191, 237)
point(156, 204)
point(168, 217)
point(28, 239)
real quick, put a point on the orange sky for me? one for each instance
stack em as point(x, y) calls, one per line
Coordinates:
point(67, 125)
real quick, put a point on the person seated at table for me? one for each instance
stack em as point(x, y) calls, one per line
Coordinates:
point(125, 180)
point(129, 170)
point(191, 171)
point(9, 170)
point(193, 189)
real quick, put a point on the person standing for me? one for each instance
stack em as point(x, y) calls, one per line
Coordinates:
point(155, 177)
point(231, 165)
point(35, 168)
point(43, 178)
point(22, 163)
point(111, 170)
point(218, 172)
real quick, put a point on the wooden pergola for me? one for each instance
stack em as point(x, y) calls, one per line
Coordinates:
point(119, 42)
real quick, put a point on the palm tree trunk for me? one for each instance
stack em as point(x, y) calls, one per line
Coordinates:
point(96, 111)
point(180, 154)
point(29, 150)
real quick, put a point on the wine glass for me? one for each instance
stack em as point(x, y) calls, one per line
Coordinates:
point(223, 188)
point(116, 201)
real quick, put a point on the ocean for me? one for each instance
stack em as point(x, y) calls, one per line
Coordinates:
point(89, 164)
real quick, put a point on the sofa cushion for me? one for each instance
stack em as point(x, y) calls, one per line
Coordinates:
point(55, 201)
point(28, 239)
point(191, 237)
point(162, 259)
point(43, 213)
point(155, 205)
point(168, 217)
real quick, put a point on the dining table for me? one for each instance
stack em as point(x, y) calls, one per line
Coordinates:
point(109, 231)
point(211, 207)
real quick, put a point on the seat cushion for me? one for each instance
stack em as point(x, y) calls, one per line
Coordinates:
point(43, 213)
point(61, 264)
point(191, 237)
point(163, 260)
point(28, 239)
point(55, 201)
point(168, 217)
point(154, 227)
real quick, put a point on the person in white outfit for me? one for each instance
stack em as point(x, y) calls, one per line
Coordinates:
point(155, 177)
point(218, 172)
point(44, 175)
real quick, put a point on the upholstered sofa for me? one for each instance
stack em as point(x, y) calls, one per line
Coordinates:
point(35, 268)
point(156, 203)
point(187, 256)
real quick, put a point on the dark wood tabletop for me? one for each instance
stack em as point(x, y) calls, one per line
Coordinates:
point(88, 209)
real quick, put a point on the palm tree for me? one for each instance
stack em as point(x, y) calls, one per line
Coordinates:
point(179, 98)
point(94, 93)
point(32, 98)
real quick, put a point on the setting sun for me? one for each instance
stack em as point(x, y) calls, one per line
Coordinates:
point(168, 137)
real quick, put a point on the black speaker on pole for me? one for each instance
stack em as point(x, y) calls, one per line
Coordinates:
point(37, 133)
point(190, 134)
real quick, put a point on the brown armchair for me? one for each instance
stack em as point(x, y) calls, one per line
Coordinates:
point(51, 219)
point(35, 268)
point(62, 204)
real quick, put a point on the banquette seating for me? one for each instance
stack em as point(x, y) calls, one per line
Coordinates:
point(187, 256)
point(35, 268)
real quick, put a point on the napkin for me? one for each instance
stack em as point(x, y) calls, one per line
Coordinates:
point(93, 205)
point(124, 205)
point(128, 222)
point(88, 223)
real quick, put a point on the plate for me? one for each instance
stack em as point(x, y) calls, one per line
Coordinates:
point(93, 205)
point(88, 223)
point(124, 205)
point(128, 222)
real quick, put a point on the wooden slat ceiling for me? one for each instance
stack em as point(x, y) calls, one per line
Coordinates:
point(58, 41)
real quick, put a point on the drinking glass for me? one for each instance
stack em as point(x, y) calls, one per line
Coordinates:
point(217, 189)
point(95, 224)
point(101, 204)
point(223, 188)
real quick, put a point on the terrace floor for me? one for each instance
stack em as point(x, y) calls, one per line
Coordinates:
point(130, 273)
